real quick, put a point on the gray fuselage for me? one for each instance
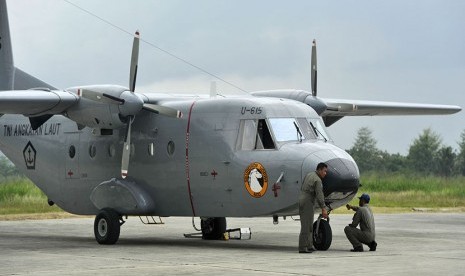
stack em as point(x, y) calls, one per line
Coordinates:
point(204, 164)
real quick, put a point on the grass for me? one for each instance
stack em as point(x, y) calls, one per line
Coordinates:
point(19, 196)
point(389, 193)
point(392, 190)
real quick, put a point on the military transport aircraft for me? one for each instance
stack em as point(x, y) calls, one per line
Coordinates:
point(109, 151)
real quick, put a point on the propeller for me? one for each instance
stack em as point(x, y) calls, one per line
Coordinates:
point(129, 103)
point(158, 109)
point(99, 97)
point(132, 87)
point(314, 71)
point(126, 150)
point(134, 62)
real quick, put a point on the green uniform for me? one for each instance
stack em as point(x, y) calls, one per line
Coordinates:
point(310, 192)
point(366, 234)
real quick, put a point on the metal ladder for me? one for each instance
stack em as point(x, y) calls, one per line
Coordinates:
point(150, 220)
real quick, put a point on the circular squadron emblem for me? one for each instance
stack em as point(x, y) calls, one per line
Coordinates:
point(256, 180)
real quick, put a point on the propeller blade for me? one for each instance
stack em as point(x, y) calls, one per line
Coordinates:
point(314, 71)
point(99, 97)
point(126, 150)
point(134, 61)
point(163, 110)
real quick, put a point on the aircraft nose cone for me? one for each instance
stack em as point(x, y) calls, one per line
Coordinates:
point(343, 177)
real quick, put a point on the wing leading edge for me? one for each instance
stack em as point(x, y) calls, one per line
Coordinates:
point(339, 108)
point(33, 103)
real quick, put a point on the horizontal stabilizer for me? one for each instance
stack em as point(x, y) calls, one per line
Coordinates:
point(24, 81)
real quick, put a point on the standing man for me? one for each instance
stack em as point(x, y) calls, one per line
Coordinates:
point(311, 191)
point(366, 234)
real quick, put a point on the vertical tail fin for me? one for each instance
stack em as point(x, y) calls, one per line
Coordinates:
point(11, 77)
point(7, 67)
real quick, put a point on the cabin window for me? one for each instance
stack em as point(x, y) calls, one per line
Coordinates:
point(111, 150)
point(72, 152)
point(254, 135)
point(92, 151)
point(170, 148)
point(151, 149)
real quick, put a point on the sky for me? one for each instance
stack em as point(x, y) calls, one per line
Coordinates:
point(403, 51)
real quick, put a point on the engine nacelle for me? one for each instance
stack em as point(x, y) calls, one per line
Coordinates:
point(297, 95)
point(96, 112)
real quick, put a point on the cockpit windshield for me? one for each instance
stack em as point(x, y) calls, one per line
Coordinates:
point(262, 134)
point(285, 129)
point(319, 129)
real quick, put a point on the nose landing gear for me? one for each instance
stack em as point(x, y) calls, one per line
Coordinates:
point(213, 228)
point(322, 234)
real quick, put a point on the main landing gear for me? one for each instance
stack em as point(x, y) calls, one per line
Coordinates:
point(107, 226)
point(322, 234)
point(213, 228)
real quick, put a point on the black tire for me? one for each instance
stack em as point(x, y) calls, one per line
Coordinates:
point(213, 228)
point(107, 227)
point(322, 240)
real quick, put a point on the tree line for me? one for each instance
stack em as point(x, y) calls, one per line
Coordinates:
point(426, 156)
point(7, 169)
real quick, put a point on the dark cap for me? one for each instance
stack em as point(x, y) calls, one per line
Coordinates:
point(365, 197)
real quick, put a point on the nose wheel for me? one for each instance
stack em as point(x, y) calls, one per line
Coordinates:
point(322, 234)
point(213, 228)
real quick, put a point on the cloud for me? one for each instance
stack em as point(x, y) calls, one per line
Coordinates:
point(397, 51)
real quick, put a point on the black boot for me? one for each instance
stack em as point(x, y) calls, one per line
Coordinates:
point(372, 246)
point(357, 249)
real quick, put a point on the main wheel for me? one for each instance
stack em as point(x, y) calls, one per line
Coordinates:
point(107, 227)
point(213, 228)
point(322, 240)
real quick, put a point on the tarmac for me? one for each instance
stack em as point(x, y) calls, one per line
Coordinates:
point(408, 244)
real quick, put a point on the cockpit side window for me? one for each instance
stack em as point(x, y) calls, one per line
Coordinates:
point(263, 134)
point(254, 135)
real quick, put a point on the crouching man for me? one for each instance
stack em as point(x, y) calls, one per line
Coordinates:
point(366, 234)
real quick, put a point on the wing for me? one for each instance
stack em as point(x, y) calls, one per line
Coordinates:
point(332, 110)
point(338, 108)
point(38, 105)
point(34, 103)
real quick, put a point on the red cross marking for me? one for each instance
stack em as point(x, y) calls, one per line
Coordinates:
point(275, 189)
point(214, 174)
